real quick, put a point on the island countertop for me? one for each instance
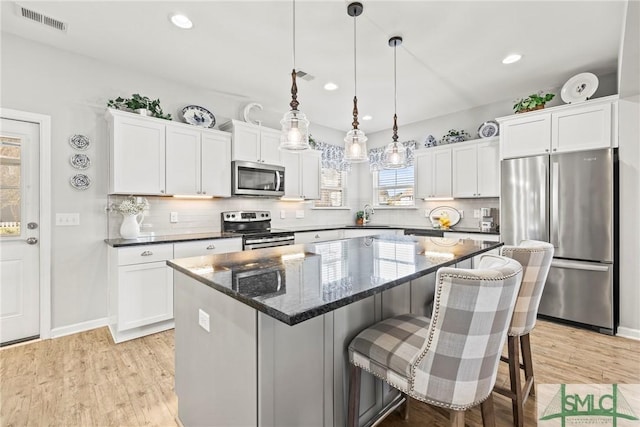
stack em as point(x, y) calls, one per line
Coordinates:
point(298, 282)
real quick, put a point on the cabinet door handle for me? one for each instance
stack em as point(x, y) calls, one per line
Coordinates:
point(555, 149)
point(162, 191)
point(317, 236)
point(146, 253)
point(210, 247)
point(546, 150)
point(204, 192)
point(198, 192)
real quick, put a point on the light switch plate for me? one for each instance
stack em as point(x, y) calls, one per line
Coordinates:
point(173, 217)
point(299, 214)
point(476, 213)
point(203, 320)
point(461, 213)
point(283, 214)
point(67, 219)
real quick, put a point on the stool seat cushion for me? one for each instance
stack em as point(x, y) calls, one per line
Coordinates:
point(388, 348)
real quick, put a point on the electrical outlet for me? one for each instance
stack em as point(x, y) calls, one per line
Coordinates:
point(283, 214)
point(461, 213)
point(173, 217)
point(476, 213)
point(299, 214)
point(67, 219)
point(203, 320)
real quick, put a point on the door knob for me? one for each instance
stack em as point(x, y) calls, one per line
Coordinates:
point(32, 241)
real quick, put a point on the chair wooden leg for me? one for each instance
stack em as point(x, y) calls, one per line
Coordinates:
point(456, 418)
point(354, 396)
point(516, 388)
point(527, 361)
point(404, 409)
point(488, 414)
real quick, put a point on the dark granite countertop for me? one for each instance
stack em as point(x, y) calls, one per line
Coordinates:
point(303, 228)
point(439, 231)
point(287, 283)
point(172, 238)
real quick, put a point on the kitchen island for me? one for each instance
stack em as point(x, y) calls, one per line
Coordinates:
point(261, 336)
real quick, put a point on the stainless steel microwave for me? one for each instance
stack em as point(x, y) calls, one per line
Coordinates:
point(256, 179)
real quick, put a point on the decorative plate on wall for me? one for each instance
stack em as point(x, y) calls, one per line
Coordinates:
point(198, 116)
point(80, 181)
point(489, 129)
point(452, 213)
point(579, 88)
point(79, 142)
point(80, 161)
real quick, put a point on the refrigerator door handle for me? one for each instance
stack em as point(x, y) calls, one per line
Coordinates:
point(554, 202)
point(579, 266)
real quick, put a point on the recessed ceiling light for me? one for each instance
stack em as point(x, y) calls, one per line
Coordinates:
point(330, 86)
point(367, 117)
point(510, 59)
point(181, 21)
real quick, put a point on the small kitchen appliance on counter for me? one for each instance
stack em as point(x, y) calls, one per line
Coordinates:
point(255, 229)
point(486, 224)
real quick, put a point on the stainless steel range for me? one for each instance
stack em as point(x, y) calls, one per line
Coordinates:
point(255, 228)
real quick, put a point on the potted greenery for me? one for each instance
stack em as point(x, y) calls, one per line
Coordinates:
point(360, 218)
point(139, 104)
point(534, 101)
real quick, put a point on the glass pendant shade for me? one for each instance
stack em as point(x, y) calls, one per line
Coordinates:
point(355, 146)
point(295, 131)
point(395, 156)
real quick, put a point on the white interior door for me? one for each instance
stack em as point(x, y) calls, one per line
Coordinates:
point(19, 231)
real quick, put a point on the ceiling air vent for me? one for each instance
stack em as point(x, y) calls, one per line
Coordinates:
point(38, 17)
point(304, 76)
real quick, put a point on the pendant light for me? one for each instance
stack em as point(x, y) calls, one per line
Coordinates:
point(395, 155)
point(294, 135)
point(355, 143)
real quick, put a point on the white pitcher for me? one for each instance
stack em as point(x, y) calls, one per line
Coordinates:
point(130, 228)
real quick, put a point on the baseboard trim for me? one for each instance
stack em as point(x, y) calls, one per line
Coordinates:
point(634, 334)
point(79, 327)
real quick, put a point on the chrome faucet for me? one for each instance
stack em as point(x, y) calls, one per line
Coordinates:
point(368, 211)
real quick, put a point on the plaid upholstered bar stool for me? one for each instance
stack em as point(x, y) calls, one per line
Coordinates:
point(451, 359)
point(535, 257)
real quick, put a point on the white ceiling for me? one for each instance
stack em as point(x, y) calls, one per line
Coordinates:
point(450, 59)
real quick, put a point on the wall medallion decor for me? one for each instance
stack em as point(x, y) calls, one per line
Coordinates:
point(80, 142)
point(80, 161)
point(80, 181)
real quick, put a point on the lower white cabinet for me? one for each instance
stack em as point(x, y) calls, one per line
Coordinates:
point(141, 284)
point(475, 236)
point(140, 291)
point(351, 232)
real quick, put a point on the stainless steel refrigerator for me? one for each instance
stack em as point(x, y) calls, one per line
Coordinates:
point(570, 200)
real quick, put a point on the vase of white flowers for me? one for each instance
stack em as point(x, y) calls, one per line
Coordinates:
point(132, 212)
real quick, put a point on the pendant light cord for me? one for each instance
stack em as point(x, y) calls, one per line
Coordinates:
point(355, 55)
point(294, 34)
point(395, 81)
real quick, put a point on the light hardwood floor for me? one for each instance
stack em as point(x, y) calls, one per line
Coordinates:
point(86, 380)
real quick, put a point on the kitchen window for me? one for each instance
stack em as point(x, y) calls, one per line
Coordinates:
point(394, 187)
point(332, 188)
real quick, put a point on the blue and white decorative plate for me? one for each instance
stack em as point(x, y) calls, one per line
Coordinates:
point(489, 129)
point(198, 116)
point(80, 181)
point(80, 161)
point(79, 142)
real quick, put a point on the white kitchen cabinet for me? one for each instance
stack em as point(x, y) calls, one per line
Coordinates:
point(475, 236)
point(206, 247)
point(565, 128)
point(433, 173)
point(476, 169)
point(317, 236)
point(302, 174)
point(136, 154)
point(253, 143)
point(140, 291)
point(198, 162)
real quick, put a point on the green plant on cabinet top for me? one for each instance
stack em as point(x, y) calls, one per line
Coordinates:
point(534, 101)
point(138, 102)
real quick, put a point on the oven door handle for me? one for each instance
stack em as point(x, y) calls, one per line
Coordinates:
point(268, 245)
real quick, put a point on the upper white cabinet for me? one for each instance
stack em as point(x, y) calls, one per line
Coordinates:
point(433, 173)
point(253, 143)
point(476, 169)
point(302, 174)
point(198, 162)
point(159, 157)
point(571, 127)
point(136, 154)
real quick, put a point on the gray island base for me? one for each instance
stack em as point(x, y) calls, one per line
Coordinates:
point(261, 336)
